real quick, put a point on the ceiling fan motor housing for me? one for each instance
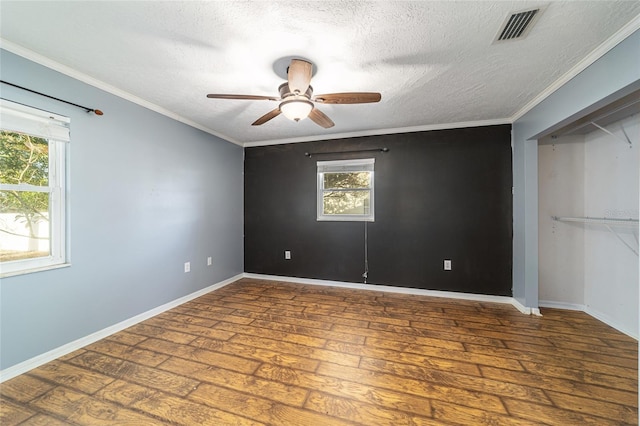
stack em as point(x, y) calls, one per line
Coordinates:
point(285, 92)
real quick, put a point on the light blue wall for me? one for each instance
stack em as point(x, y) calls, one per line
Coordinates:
point(146, 194)
point(617, 69)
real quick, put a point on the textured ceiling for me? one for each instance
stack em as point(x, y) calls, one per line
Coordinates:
point(435, 63)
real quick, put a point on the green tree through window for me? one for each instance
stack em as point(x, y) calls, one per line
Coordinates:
point(346, 190)
point(346, 193)
point(24, 159)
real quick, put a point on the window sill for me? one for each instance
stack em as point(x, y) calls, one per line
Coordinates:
point(344, 219)
point(33, 270)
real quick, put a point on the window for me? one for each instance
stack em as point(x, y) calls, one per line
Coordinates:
point(345, 190)
point(32, 188)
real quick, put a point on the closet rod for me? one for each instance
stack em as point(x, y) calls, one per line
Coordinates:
point(95, 111)
point(597, 220)
point(608, 223)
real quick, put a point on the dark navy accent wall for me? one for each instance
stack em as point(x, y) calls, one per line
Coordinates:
point(439, 195)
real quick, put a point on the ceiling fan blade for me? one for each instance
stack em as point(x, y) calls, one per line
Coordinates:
point(320, 118)
point(348, 98)
point(299, 76)
point(242, 97)
point(268, 116)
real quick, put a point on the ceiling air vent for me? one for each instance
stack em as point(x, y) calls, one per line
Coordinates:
point(517, 25)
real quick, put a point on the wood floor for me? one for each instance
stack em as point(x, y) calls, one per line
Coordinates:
point(259, 352)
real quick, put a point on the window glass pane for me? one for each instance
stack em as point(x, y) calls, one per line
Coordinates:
point(24, 225)
point(25, 159)
point(345, 190)
point(32, 189)
point(346, 202)
point(347, 180)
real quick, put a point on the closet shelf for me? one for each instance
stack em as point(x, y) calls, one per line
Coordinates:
point(607, 223)
point(598, 220)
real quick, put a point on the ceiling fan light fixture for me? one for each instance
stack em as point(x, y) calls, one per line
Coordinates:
point(296, 109)
point(296, 97)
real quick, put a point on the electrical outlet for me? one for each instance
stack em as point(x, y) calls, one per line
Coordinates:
point(187, 266)
point(209, 261)
point(287, 255)
point(447, 265)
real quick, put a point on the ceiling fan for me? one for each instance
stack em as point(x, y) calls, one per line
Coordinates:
point(296, 97)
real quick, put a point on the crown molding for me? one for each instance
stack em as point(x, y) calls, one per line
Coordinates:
point(377, 132)
point(68, 71)
point(596, 54)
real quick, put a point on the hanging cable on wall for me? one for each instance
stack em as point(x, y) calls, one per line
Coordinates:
point(366, 254)
point(95, 111)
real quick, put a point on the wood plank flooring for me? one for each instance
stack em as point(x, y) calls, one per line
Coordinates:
point(269, 353)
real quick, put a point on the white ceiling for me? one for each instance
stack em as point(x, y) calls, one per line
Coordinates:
point(434, 62)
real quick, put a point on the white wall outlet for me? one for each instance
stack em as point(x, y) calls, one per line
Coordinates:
point(287, 255)
point(447, 265)
point(187, 266)
point(209, 261)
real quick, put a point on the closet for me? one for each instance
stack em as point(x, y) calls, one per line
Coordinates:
point(588, 208)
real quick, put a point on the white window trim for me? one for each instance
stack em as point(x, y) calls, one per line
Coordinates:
point(54, 128)
point(36, 122)
point(357, 165)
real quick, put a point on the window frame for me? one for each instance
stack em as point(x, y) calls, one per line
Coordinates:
point(54, 128)
point(345, 166)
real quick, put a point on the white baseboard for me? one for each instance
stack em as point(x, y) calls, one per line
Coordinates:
point(611, 322)
point(536, 312)
point(592, 312)
point(561, 305)
point(519, 306)
point(401, 290)
point(23, 367)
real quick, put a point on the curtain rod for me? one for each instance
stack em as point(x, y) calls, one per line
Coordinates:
point(95, 111)
point(310, 154)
